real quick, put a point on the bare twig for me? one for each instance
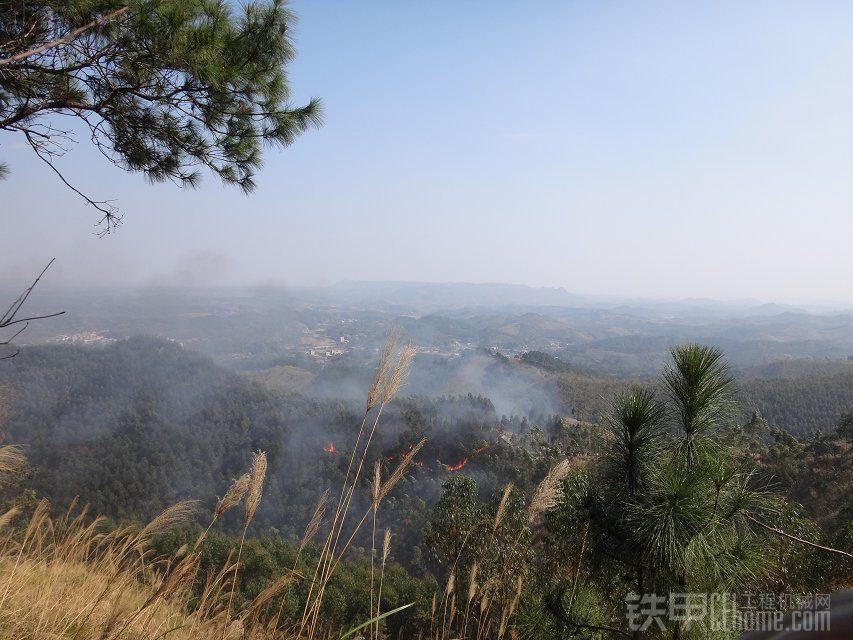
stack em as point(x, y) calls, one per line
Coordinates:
point(111, 218)
point(9, 318)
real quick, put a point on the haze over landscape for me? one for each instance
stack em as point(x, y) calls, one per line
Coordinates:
point(538, 316)
point(661, 150)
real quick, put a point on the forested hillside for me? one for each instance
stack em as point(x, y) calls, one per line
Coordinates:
point(136, 425)
point(802, 404)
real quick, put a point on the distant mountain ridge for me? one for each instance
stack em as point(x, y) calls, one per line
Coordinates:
point(453, 294)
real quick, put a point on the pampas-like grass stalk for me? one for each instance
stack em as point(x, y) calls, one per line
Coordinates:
point(314, 522)
point(256, 486)
point(514, 604)
point(7, 517)
point(386, 546)
point(179, 578)
point(386, 384)
point(233, 496)
point(326, 561)
point(499, 514)
point(231, 499)
point(264, 597)
point(399, 374)
point(484, 602)
point(178, 513)
point(472, 591)
point(472, 582)
point(386, 550)
point(377, 480)
point(549, 491)
point(377, 387)
point(449, 589)
point(377, 484)
point(384, 489)
point(399, 471)
point(253, 499)
point(310, 531)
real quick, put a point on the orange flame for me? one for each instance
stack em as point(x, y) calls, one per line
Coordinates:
point(457, 466)
point(329, 448)
point(464, 461)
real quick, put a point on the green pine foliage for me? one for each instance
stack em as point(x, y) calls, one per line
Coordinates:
point(163, 87)
point(671, 507)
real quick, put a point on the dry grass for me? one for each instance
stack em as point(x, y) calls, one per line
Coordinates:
point(12, 461)
point(68, 578)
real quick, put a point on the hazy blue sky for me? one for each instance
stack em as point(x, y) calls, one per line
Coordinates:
point(646, 149)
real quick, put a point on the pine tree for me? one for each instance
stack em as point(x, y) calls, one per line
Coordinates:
point(670, 509)
point(163, 87)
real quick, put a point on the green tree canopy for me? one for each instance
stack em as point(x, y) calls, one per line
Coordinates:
point(164, 87)
point(670, 507)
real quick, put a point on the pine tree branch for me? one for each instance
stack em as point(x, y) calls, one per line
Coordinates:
point(68, 37)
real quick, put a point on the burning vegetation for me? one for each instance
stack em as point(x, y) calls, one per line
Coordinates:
point(461, 464)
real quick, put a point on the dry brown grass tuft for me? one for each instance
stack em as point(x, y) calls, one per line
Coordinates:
point(79, 582)
point(68, 578)
point(6, 518)
point(12, 461)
